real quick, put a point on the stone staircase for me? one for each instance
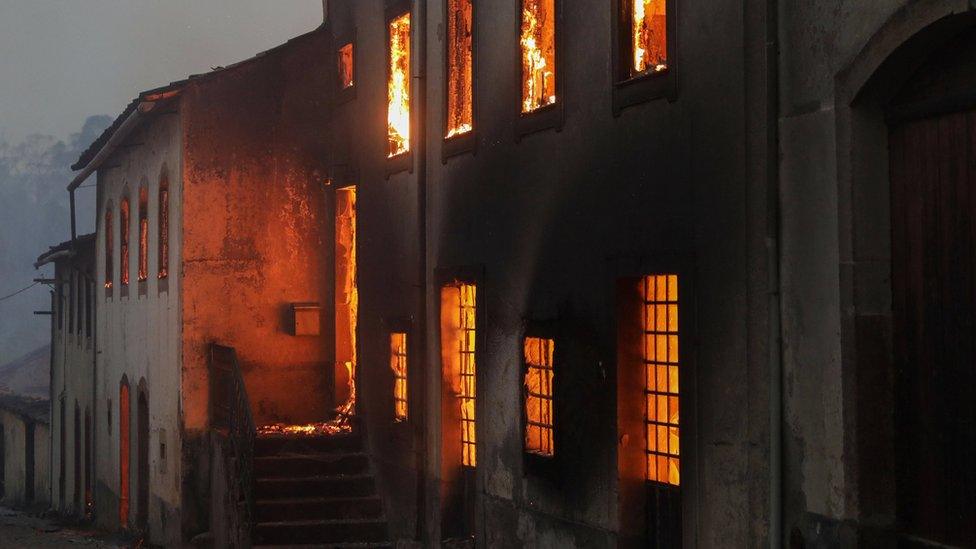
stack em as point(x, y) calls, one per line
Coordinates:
point(316, 491)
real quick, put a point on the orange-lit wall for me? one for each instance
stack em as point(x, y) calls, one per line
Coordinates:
point(256, 233)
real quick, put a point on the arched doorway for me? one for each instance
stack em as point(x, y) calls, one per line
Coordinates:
point(77, 469)
point(932, 158)
point(142, 431)
point(124, 453)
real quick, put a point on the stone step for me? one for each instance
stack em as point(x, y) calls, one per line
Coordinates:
point(316, 486)
point(321, 532)
point(320, 464)
point(276, 510)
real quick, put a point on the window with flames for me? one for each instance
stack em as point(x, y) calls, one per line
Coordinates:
point(143, 234)
point(466, 350)
point(398, 363)
point(646, 21)
point(661, 362)
point(460, 118)
point(398, 87)
point(109, 248)
point(538, 354)
point(124, 240)
point(163, 222)
point(346, 66)
point(538, 49)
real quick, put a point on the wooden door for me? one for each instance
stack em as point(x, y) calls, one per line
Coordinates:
point(933, 174)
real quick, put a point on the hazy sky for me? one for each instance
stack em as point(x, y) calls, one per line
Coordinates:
point(64, 60)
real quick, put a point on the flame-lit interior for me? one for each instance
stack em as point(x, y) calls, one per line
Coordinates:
point(648, 20)
point(660, 353)
point(124, 238)
point(538, 396)
point(345, 66)
point(143, 234)
point(538, 43)
point(163, 229)
point(460, 118)
point(458, 335)
point(398, 88)
point(398, 363)
point(109, 248)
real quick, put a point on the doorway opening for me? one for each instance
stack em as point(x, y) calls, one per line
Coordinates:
point(124, 453)
point(142, 430)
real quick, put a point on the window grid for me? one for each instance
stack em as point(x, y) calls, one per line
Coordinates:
point(538, 397)
point(466, 312)
point(660, 350)
point(398, 363)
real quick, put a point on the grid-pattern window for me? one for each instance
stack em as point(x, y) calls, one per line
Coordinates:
point(466, 350)
point(124, 240)
point(660, 319)
point(398, 363)
point(346, 66)
point(647, 23)
point(538, 396)
point(143, 234)
point(163, 222)
point(538, 44)
point(109, 248)
point(460, 118)
point(398, 88)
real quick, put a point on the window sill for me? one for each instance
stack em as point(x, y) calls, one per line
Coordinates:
point(162, 285)
point(644, 88)
point(345, 95)
point(400, 163)
point(545, 118)
point(124, 291)
point(458, 145)
point(143, 288)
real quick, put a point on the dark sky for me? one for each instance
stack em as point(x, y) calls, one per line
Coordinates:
point(63, 60)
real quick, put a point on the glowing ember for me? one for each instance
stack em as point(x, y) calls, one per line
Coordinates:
point(649, 35)
point(398, 92)
point(538, 54)
point(459, 68)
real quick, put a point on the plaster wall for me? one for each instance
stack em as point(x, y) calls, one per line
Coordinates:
point(15, 465)
point(138, 335)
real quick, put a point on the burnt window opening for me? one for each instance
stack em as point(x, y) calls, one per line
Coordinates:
point(143, 271)
point(346, 60)
point(71, 302)
point(539, 373)
point(163, 222)
point(109, 251)
point(124, 241)
point(398, 363)
point(467, 372)
point(89, 301)
point(538, 54)
point(398, 87)
point(124, 451)
point(460, 67)
point(645, 24)
point(660, 331)
point(346, 298)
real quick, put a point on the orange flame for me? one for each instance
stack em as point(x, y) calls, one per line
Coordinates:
point(340, 424)
point(649, 35)
point(538, 54)
point(459, 67)
point(398, 88)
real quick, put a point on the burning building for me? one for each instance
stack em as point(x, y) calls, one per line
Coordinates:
point(492, 277)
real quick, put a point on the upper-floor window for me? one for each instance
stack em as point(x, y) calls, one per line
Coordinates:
point(646, 21)
point(124, 240)
point(460, 74)
point(398, 86)
point(143, 233)
point(163, 221)
point(538, 52)
point(109, 251)
point(346, 60)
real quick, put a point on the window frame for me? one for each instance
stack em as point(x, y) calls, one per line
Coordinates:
point(634, 90)
point(344, 95)
point(108, 248)
point(402, 162)
point(401, 325)
point(534, 464)
point(164, 219)
point(466, 142)
point(125, 243)
point(142, 257)
point(551, 116)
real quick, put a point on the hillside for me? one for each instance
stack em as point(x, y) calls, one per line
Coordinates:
point(28, 374)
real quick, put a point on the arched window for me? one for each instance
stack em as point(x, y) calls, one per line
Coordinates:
point(124, 453)
point(124, 240)
point(109, 238)
point(143, 233)
point(163, 221)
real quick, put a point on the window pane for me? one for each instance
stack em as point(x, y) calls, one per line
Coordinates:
point(538, 43)
point(398, 92)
